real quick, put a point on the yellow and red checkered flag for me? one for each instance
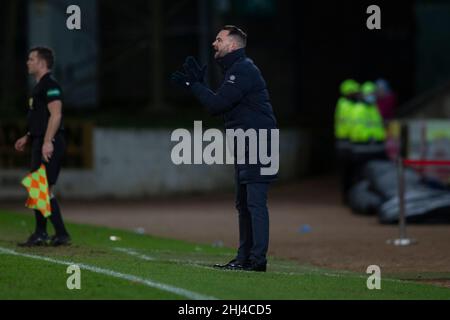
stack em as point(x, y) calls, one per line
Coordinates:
point(38, 192)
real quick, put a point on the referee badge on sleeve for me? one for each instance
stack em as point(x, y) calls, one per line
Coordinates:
point(53, 93)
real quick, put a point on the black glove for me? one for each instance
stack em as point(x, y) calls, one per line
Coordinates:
point(193, 69)
point(180, 79)
point(193, 73)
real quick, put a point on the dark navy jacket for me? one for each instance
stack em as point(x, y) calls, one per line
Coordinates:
point(244, 103)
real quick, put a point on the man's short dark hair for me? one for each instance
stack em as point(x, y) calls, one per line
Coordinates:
point(46, 54)
point(237, 33)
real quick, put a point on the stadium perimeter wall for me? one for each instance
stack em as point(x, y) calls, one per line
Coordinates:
point(133, 163)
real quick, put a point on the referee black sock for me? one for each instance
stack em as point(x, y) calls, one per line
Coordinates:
point(41, 222)
point(56, 219)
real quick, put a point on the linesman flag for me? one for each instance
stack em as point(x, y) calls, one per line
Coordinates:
point(38, 193)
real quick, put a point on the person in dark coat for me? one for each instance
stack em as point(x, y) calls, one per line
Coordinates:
point(243, 101)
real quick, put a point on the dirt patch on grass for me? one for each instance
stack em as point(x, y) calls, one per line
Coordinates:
point(308, 224)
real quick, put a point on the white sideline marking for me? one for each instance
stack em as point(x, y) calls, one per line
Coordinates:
point(134, 253)
point(150, 283)
point(200, 264)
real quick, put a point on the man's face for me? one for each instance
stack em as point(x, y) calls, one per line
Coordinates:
point(224, 44)
point(34, 63)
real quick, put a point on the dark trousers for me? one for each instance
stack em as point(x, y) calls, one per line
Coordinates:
point(53, 168)
point(251, 203)
point(346, 171)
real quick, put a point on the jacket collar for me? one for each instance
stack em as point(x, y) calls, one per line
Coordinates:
point(45, 76)
point(227, 61)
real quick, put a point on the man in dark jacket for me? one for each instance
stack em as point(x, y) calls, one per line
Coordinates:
point(243, 102)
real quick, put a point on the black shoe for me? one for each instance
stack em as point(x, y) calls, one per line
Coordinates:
point(61, 240)
point(35, 240)
point(232, 265)
point(255, 267)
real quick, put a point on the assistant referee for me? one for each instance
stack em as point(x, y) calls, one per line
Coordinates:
point(45, 136)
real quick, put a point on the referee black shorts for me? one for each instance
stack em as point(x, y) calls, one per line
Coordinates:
point(54, 166)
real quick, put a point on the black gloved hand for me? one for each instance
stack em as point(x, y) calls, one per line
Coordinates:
point(193, 73)
point(180, 79)
point(193, 69)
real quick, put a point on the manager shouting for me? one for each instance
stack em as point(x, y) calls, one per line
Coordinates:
point(244, 103)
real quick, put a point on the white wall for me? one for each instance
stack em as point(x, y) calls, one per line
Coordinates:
point(136, 163)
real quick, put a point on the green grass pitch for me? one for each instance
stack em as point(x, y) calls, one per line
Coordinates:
point(145, 267)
